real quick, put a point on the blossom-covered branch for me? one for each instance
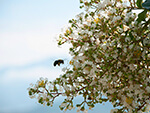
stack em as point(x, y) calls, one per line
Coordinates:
point(110, 49)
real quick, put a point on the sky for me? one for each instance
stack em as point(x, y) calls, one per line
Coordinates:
point(28, 48)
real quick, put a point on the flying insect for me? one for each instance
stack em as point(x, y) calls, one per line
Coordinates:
point(58, 62)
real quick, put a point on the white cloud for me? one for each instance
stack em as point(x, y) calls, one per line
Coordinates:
point(29, 74)
point(27, 35)
point(18, 48)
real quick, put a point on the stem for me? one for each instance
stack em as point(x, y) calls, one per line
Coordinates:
point(142, 105)
point(145, 26)
point(130, 3)
point(134, 3)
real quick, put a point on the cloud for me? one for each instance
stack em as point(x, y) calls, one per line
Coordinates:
point(29, 74)
point(22, 48)
point(16, 79)
point(27, 36)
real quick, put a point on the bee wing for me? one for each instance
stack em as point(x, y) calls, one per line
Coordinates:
point(55, 63)
point(62, 61)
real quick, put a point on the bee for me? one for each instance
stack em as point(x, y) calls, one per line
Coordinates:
point(58, 62)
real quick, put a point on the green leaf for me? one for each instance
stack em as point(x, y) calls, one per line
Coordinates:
point(61, 108)
point(86, 15)
point(41, 100)
point(139, 3)
point(131, 36)
point(70, 21)
point(92, 105)
point(82, 108)
point(100, 101)
point(141, 16)
point(30, 92)
point(146, 4)
point(48, 104)
point(81, 1)
point(104, 100)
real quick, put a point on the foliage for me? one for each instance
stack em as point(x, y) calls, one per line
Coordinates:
point(146, 4)
point(110, 49)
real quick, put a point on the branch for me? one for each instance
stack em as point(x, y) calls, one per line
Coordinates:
point(130, 3)
point(134, 3)
point(145, 26)
point(141, 106)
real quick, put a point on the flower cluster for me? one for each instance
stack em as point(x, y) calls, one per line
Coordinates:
point(110, 59)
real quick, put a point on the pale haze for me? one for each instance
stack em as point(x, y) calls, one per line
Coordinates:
point(28, 48)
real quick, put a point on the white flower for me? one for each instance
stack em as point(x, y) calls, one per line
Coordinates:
point(70, 107)
point(97, 41)
point(124, 4)
point(107, 2)
point(147, 108)
point(143, 54)
point(141, 71)
point(44, 95)
point(107, 55)
point(132, 67)
point(112, 10)
point(126, 19)
point(71, 53)
point(78, 110)
point(66, 87)
point(41, 78)
point(51, 103)
point(119, 64)
point(100, 5)
point(86, 71)
point(85, 111)
point(64, 69)
point(148, 55)
point(129, 14)
point(104, 46)
point(120, 73)
point(115, 56)
point(116, 18)
point(127, 39)
point(120, 30)
point(113, 110)
point(39, 96)
point(146, 41)
point(60, 89)
point(50, 87)
point(130, 26)
point(32, 96)
point(125, 50)
point(49, 97)
point(31, 85)
point(138, 38)
point(63, 105)
point(131, 46)
point(80, 15)
point(148, 89)
point(72, 88)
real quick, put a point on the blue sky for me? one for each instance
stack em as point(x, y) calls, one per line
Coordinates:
point(28, 47)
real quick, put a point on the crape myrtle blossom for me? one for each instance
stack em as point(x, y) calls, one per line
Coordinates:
point(110, 51)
